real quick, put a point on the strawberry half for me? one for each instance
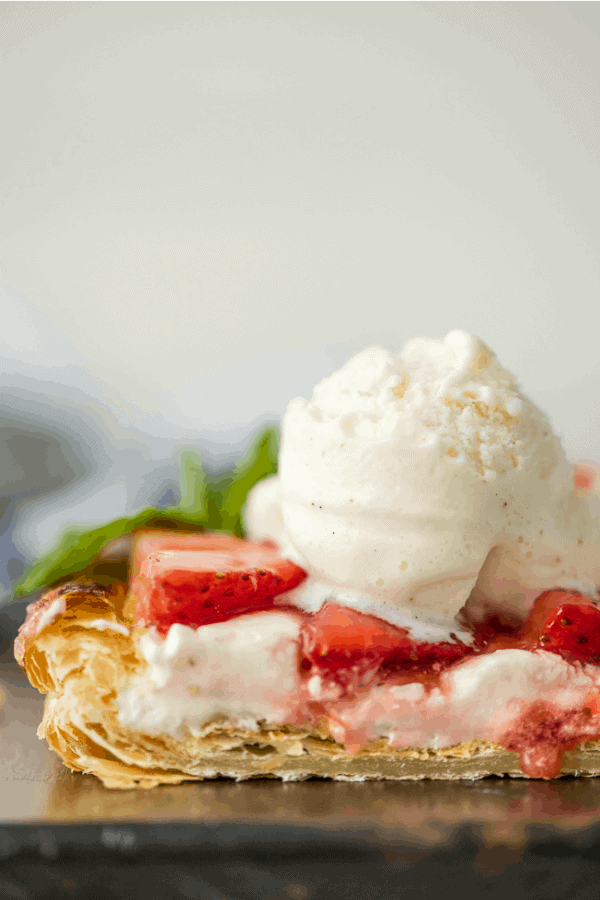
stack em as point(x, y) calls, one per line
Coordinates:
point(347, 646)
point(198, 579)
point(564, 623)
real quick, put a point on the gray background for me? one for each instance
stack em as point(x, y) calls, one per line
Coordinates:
point(207, 207)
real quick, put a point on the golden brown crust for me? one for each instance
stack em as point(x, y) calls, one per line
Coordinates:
point(67, 610)
point(87, 653)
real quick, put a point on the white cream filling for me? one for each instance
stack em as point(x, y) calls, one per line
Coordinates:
point(246, 670)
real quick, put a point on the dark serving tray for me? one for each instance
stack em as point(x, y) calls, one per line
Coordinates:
point(65, 835)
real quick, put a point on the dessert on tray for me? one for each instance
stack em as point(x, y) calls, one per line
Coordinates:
point(416, 598)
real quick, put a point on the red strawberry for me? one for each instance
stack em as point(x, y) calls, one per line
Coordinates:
point(349, 646)
point(545, 605)
point(204, 578)
point(573, 631)
point(564, 623)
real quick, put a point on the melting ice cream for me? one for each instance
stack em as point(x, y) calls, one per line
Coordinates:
point(408, 484)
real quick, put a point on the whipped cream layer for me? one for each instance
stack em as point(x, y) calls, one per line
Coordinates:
point(245, 670)
point(419, 480)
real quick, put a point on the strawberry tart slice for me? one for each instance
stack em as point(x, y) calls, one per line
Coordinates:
point(417, 598)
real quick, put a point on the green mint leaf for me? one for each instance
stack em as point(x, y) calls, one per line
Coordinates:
point(75, 550)
point(192, 485)
point(259, 462)
point(213, 504)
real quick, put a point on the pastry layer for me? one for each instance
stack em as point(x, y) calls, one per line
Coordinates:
point(124, 758)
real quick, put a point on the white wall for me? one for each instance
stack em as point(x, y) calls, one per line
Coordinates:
point(191, 187)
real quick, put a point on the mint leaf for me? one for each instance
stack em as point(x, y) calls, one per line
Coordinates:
point(259, 462)
point(213, 504)
point(192, 485)
point(75, 550)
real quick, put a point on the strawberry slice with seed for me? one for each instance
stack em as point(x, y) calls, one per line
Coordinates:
point(199, 579)
point(545, 606)
point(564, 623)
point(573, 631)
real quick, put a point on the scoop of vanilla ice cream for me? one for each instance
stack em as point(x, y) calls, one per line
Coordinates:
point(411, 483)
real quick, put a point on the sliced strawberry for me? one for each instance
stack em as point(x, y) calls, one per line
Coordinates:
point(198, 579)
point(348, 646)
point(545, 606)
point(573, 631)
point(564, 623)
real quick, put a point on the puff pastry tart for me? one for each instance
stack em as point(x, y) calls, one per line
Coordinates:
point(206, 666)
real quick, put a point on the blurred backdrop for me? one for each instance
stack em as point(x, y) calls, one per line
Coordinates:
point(208, 207)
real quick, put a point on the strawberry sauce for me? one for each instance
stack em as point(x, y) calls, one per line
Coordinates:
point(542, 734)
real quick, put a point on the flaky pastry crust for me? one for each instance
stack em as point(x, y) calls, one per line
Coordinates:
point(81, 667)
